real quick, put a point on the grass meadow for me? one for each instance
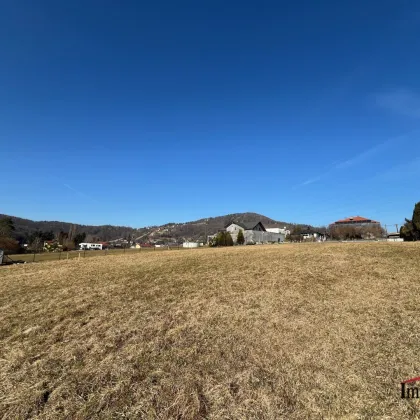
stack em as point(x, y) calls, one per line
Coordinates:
point(291, 331)
point(64, 255)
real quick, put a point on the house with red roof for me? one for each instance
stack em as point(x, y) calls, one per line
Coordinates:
point(356, 221)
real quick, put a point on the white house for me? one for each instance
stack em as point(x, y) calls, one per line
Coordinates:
point(316, 236)
point(254, 232)
point(86, 245)
point(192, 244)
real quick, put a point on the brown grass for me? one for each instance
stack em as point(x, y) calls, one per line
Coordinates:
point(57, 256)
point(292, 331)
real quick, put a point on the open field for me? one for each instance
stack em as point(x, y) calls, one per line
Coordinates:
point(57, 256)
point(268, 332)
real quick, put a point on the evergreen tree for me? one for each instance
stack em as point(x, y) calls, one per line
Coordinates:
point(228, 239)
point(240, 240)
point(416, 221)
point(411, 229)
point(406, 231)
point(223, 239)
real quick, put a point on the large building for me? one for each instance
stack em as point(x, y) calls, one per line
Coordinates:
point(254, 233)
point(356, 221)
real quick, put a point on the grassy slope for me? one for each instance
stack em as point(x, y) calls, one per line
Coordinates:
point(292, 331)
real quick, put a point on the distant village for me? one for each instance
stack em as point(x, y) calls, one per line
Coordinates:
point(234, 232)
point(254, 233)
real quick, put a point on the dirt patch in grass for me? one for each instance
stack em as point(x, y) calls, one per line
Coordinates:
point(290, 331)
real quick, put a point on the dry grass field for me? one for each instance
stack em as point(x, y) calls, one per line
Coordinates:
point(58, 256)
point(264, 332)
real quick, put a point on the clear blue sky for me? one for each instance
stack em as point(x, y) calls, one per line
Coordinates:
point(138, 113)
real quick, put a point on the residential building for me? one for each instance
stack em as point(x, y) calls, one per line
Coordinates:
point(91, 246)
point(356, 227)
point(356, 221)
point(192, 244)
point(316, 236)
point(254, 232)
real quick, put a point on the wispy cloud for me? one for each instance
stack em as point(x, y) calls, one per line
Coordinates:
point(81, 194)
point(311, 180)
point(401, 101)
point(362, 157)
point(410, 169)
point(368, 153)
point(376, 150)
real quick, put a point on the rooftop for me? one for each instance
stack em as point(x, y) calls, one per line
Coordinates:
point(246, 225)
point(356, 219)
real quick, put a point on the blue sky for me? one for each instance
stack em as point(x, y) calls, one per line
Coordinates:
point(138, 113)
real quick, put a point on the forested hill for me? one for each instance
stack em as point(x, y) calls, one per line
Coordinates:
point(212, 225)
point(25, 227)
point(168, 232)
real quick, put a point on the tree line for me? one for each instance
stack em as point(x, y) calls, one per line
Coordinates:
point(338, 232)
point(349, 232)
point(36, 240)
point(25, 227)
